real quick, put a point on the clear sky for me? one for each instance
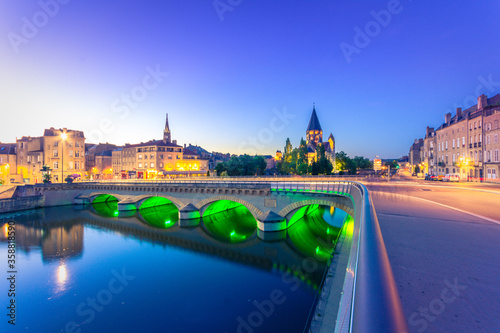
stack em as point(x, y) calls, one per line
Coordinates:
point(241, 76)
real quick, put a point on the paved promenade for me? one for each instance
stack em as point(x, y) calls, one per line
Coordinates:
point(443, 242)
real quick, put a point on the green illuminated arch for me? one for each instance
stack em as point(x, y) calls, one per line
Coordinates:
point(155, 201)
point(229, 222)
point(311, 234)
point(105, 205)
point(162, 216)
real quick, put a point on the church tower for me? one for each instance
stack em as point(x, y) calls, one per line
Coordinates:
point(166, 133)
point(314, 133)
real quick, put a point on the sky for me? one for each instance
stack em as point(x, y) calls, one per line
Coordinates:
point(241, 76)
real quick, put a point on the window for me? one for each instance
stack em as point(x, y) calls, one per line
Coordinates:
point(495, 138)
point(140, 165)
point(56, 143)
point(495, 156)
point(77, 144)
point(178, 157)
point(470, 127)
point(488, 157)
point(152, 156)
point(70, 164)
point(475, 156)
point(453, 158)
point(446, 145)
point(463, 140)
point(38, 158)
point(152, 165)
point(431, 144)
point(77, 153)
point(71, 144)
point(480, 138)
point(70, 153)
point(28, 158)
point(77, 165)
point(480, 122)
point(453, 143)
point(56, 165)
point(480, 156)
point(169, 157)
point(493, 174)
point(496, 124)
point(161, 165)
point(470, 140)
point(140, 156)
point(475, 138)
point(55, 153)
point(475, 125)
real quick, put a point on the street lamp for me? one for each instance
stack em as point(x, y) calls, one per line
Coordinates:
point(64, 136)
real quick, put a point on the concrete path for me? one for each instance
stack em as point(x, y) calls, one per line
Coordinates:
point(446, 262)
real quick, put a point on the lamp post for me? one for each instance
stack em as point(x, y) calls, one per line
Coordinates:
point(63, 138)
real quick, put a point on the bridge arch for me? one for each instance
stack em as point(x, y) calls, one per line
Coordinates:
point(94, 195)
point(204, 203)
point(289, 210)
point(140, 199)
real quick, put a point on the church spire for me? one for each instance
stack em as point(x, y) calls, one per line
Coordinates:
point(166, 132)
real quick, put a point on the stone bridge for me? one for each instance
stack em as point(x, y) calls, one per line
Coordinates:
point(271, 207)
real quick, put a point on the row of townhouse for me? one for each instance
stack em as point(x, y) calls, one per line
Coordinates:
point(466, 144)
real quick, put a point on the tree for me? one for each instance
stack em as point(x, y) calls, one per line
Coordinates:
point(288, 151)
point(220, 168)
point(260, 165)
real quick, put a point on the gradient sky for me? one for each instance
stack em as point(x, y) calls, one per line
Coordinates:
point(228, 78)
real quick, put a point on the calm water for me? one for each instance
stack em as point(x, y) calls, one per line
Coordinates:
point(87, 269)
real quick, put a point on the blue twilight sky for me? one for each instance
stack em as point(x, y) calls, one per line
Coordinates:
point(243, 77)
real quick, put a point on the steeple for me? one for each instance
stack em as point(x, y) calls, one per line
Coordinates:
point(314, 121)
point(314, 133)
point(166, 133)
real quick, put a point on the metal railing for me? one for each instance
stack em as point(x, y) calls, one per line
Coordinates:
point(370, 300)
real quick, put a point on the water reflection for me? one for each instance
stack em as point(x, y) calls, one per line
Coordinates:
point(59, 233)
point(315, 233)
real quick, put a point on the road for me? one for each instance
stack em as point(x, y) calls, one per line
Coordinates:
point(443, 242)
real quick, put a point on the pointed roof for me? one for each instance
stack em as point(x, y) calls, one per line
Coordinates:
point(167, 128)
point(314, 122)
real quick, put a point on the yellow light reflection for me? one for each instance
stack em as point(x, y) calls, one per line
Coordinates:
point(6, 230)
point(62, 274)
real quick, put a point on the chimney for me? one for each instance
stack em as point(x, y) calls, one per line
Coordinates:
point(174, 142)
point(459, 112)
point(482, 101)
point(447, 118)
point(184, 146)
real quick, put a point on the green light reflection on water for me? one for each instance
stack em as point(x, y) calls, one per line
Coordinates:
point(315, 229)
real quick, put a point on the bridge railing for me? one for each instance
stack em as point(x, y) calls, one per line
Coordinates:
point(370, 300)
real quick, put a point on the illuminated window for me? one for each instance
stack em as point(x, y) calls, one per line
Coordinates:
point(70, 153)
point(140, 156)
point(152, 156)
point(71, 164)
point(152, 165)
point(140, 165)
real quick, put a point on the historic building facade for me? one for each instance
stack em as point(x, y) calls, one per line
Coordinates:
point(465, 144)
point(314, 138)
point(157, 159)
point(61, 150)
